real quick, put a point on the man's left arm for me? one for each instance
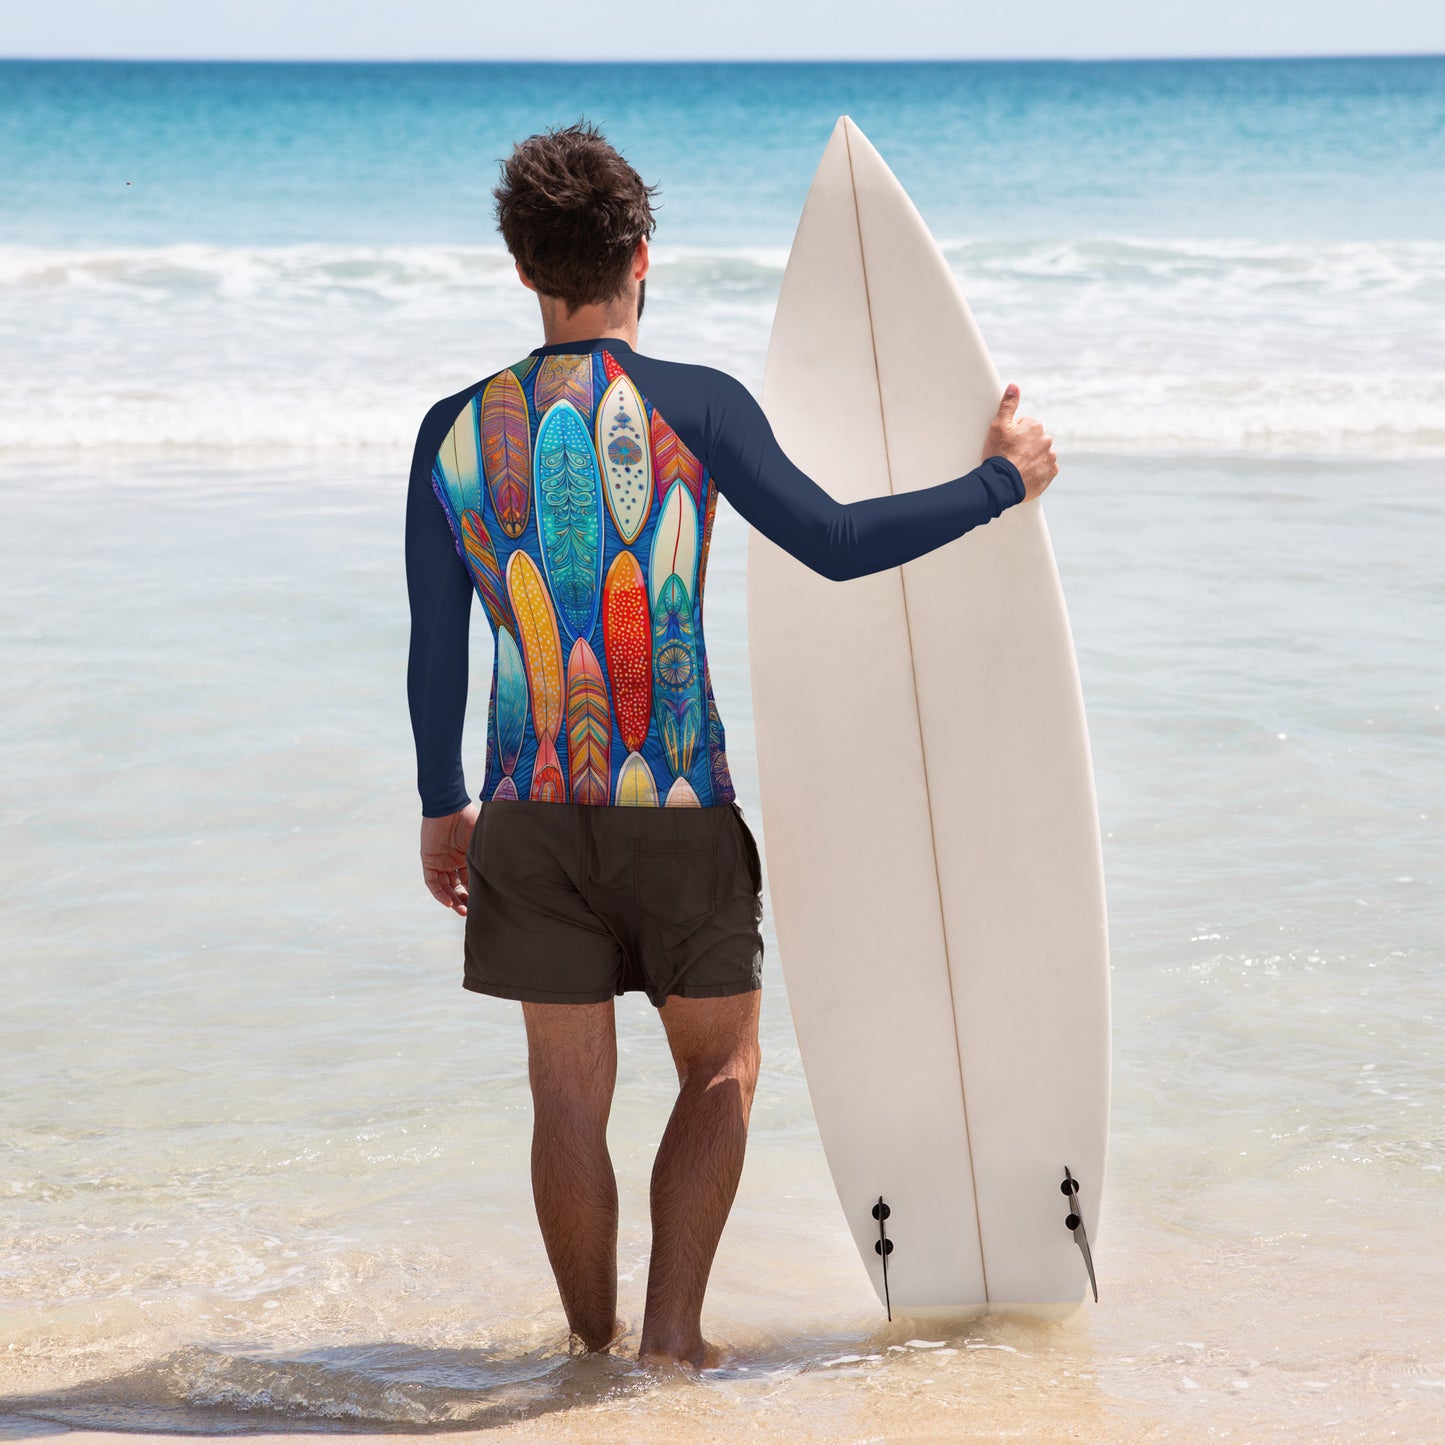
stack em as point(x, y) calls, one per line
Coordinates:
point(839, 540)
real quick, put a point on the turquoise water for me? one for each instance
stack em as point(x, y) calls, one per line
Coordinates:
point(263, 1162)
point(1338, 149)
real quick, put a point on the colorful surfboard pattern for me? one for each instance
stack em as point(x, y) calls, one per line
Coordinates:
point(585, 522)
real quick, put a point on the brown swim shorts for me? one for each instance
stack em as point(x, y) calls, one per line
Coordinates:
point(579, 902)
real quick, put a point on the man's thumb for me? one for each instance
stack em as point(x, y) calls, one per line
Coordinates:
point(1010, 401)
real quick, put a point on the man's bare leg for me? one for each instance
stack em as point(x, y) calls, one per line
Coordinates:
point(572, 1065)
point(695, 1177)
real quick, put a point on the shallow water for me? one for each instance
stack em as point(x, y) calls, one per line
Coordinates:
point(265, 1161)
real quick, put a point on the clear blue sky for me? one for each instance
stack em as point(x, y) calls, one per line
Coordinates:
point(725, 30)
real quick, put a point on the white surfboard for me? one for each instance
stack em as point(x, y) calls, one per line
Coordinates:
point(928, 806)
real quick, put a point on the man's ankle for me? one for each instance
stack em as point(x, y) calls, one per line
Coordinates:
point(598, 1344)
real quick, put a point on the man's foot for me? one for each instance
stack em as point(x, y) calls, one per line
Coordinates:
point(703, 1356)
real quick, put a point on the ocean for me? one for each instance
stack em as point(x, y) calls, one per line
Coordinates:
point(265, 1162)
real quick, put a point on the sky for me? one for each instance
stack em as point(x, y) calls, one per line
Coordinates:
point(726, 30)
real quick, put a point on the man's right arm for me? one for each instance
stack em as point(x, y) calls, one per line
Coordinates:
point(840, 540)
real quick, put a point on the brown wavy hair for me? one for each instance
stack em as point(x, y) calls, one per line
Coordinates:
point(572, 211)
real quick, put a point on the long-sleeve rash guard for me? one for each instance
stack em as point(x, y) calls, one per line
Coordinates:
point(574, 493)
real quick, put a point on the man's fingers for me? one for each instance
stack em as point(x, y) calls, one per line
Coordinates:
point(1010, 402)
point(448, 887)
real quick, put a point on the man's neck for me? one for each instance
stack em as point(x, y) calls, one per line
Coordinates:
point(582, 327)
point(589, 323)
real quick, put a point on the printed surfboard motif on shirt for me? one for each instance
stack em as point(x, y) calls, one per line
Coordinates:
point(486, 573)
point(708, 520)
point(511, 703)
point(569, 516)
point(506, 449)
point(674, 543)
point(507, 788)
point(625, 455)
point(722, 782)
point(589, 727)
point(681, 795)
point(677, 686)
point(672, 462)
point(522, 369)
point(627, 648)
point(548, 785)
point(460, 462)
point(541, 643)
point(635, 785)
point(564, 378)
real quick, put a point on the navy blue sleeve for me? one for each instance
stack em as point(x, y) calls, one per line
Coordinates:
point(728, 431)
point(439, 589)
point(841, 540)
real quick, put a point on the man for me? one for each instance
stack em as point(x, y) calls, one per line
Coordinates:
point(574, 492)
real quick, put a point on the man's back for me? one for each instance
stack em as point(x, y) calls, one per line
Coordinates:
point(575, 492)
point(584, 521)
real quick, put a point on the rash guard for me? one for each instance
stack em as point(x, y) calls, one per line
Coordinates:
point(574, 492)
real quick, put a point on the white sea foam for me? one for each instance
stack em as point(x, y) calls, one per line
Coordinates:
point(1123, 343)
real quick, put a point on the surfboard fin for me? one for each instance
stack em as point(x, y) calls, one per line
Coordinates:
point(1075, 1221)
point(884, 1246)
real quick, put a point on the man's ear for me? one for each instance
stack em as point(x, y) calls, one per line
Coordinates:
point(522, 278)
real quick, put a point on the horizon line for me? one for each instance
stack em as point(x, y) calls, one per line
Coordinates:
point(711, 60)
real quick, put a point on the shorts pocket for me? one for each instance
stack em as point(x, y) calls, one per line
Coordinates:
point(676, 881)
point(750, 848)
point(474, 842)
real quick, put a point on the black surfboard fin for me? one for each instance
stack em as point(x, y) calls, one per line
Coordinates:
point(884, 1246)
point(1075, 1222)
